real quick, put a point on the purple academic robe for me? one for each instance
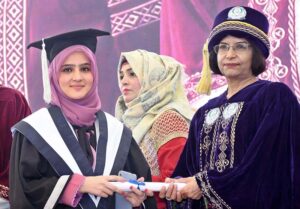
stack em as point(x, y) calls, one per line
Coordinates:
point(245, 151)
point(13, 108)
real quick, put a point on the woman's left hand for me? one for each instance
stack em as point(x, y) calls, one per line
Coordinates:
point(136, 196)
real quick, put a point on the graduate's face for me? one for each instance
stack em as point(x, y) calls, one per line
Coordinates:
point(129, 83)
point(235, 62)
point(75, 76)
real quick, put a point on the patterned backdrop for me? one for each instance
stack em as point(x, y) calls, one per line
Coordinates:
point(12, 45)
point(173, 27)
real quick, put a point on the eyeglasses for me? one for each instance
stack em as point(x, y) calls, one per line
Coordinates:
point(237, 47)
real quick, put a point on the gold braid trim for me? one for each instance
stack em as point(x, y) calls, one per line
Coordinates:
point(149, 150)
point(167, 126)
point(241, 26)
point(170, 124)
point(211, 195)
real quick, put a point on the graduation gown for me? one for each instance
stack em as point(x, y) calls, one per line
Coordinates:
point(244, 151)
point(41, 167)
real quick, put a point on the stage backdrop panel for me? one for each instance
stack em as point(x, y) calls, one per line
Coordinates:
point(176, 28)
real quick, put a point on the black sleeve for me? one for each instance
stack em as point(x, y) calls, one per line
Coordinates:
point(31, 178)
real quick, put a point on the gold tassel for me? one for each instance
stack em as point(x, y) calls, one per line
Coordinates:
point(204, 85)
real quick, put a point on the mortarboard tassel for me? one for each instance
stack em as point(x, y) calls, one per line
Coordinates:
point(204, 85)
point(45, 73)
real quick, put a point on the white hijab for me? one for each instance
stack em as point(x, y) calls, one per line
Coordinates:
point(161, 89)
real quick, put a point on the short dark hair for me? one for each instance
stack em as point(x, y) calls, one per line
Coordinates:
point(258, 64)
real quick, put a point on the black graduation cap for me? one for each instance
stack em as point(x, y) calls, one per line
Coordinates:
point(55, 44)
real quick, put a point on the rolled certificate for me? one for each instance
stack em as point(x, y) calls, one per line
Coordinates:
point(153, 186)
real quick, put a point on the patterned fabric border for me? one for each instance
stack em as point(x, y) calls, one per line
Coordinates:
point(241, 26)
point(207, 190)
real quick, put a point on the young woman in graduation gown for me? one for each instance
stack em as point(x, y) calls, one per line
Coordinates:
point(243, 146)
point(154, 106)
point(66, 155)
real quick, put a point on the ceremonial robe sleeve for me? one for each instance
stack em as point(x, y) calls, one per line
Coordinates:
point(32, 179)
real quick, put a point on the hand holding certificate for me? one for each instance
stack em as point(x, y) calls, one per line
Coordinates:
point(153, 186)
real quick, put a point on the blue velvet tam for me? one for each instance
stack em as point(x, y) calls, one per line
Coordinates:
point(242, 22)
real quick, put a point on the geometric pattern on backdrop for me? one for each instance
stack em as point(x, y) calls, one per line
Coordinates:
point(13, 36)
point(135, 17)
point(276, 70)
point(12, 44)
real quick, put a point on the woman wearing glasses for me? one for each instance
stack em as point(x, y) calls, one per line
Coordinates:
point(243, 146)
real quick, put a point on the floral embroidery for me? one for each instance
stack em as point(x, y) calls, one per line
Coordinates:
point(230, 110)
point(218, 137)
point(212, 116)
point(217, 147)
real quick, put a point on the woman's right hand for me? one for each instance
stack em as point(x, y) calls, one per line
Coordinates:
point(100, 185)
point(172, 192)
point(190, 190)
